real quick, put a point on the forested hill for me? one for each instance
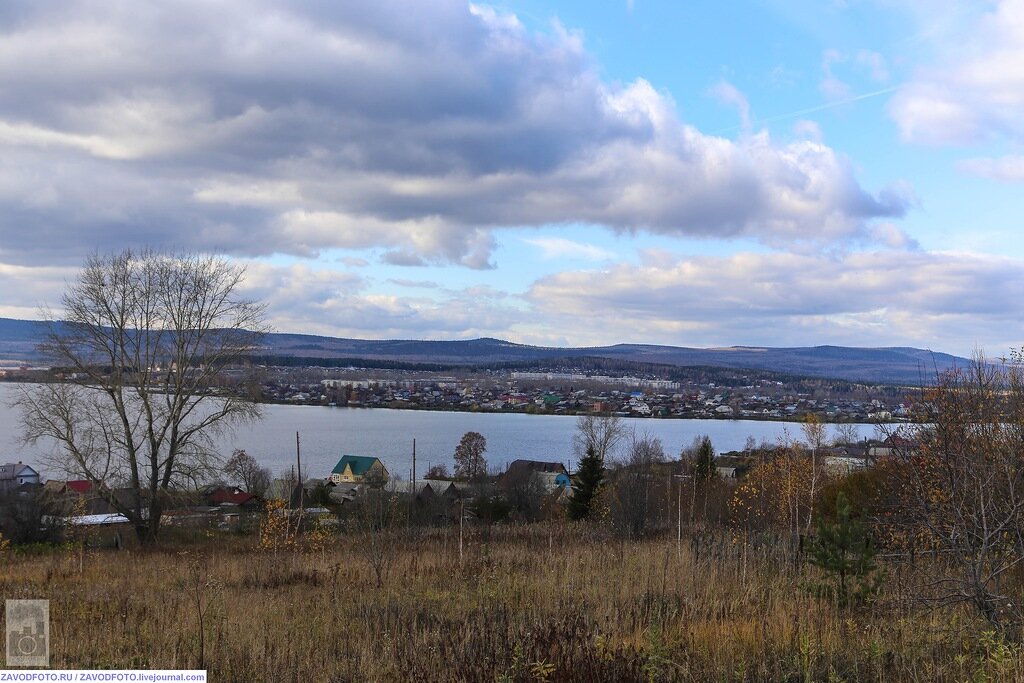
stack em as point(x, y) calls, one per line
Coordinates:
point(896, 365)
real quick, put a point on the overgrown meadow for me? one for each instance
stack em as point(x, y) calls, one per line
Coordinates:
point(544, 602)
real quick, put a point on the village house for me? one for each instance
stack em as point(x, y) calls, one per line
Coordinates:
point(77, 487)
point(547, 475)
point(894, 445)
point(358, 468)
point(232, 497)
point(13, 475)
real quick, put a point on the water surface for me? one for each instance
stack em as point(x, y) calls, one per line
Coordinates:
point(327, 433)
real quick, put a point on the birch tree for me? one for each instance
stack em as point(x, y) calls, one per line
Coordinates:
point(143, 341)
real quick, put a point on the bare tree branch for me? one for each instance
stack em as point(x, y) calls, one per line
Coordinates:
point(145, 339)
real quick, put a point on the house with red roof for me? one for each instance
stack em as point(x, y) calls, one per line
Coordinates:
point(232, 496)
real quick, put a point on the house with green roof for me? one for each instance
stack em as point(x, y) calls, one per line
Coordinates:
point(356, 468)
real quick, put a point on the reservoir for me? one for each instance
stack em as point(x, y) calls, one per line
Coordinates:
point(326, 433)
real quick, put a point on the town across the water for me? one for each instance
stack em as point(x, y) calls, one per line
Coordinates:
point(572, 393)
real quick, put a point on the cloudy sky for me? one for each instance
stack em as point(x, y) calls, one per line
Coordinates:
point(774, 172)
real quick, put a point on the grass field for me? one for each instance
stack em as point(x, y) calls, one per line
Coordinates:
point(536, 603)
point(531, 603)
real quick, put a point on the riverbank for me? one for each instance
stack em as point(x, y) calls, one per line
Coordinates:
point(791, 419)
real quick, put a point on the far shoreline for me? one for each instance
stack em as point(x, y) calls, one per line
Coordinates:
point(794, 419)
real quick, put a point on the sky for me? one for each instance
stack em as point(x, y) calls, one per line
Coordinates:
point(761, 173)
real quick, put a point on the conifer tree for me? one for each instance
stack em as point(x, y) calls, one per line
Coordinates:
point(704, 461)
point(843, 549)
point(586, 484)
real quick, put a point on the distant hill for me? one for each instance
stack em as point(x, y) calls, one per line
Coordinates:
point(891, 365)
point(18, 340)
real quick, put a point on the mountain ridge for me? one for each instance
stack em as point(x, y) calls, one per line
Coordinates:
point(887, 364)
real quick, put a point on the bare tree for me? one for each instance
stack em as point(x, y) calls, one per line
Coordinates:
point(144, 339)
point(438, 471)
point(469, 456)
point(962, 483)
point(378, 522)
point(634, 487)
point(243, 469)
point(602, 433)
point(814, 434)
point(845, 433)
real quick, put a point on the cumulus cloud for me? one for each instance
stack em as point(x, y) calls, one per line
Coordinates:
point(944, 301)
point(893, 236)
point(342, 303)
point(28, 290)
point(258, 127)
point(932, 300)
point(975, 89)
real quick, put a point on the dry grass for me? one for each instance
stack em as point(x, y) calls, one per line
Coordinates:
point(531, 603)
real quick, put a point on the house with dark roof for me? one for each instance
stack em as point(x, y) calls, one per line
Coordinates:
point(536, 466)
point(357, 468)
point(442, 488)
point(547, 475)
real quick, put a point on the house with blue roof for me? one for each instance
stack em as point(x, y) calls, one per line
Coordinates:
point(356, 468)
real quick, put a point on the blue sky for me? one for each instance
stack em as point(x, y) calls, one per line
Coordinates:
point(699, 174)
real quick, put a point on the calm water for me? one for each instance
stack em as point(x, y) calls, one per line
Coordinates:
point(328, 433)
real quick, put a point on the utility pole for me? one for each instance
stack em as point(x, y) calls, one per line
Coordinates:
point(679, 513)
point(679, 507)
point(302, 485)
point(298, 465)
point(412, 482)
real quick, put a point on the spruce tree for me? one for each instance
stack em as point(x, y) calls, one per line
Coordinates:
point(586, 484)
point(843, 550)
point(704, 461)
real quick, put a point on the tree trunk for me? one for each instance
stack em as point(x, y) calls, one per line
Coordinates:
point(146, 529)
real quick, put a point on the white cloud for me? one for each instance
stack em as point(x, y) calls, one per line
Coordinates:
point(975, 89)
point(809, 130)
point(933, 300)
point(891, 235)
point(255, 128)
point(864, 63)
point(727, 93)
point(28, 290)
point(874, 63)
point(1006, 169)
point(831, 86)
point(945, 301)
point(562, 248)
point(341, 303)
